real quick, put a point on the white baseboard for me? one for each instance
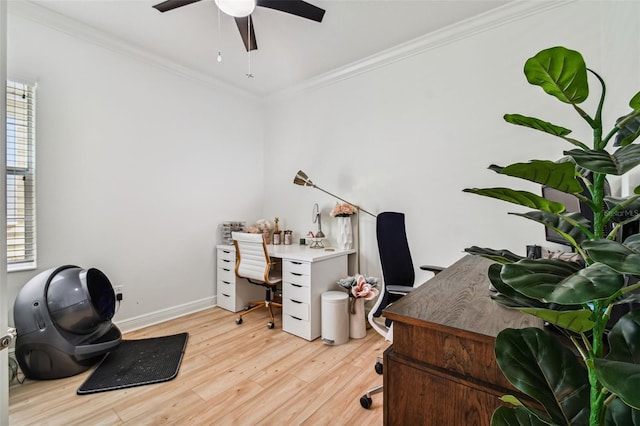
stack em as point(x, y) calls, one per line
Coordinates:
point(156, 317)
point(163, 315)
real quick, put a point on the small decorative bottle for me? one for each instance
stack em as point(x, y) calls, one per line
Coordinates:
point(276, 233)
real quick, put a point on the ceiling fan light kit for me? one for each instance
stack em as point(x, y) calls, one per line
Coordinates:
point(241, 11)
point(236, 8)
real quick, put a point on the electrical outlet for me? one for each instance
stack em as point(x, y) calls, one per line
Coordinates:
point(119, 291)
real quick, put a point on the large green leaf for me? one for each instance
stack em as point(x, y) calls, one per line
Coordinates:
point(522, 198)
point(620, 414)
point(624, 339)
point(624, 344)
point(559, 224)
point(566, 283)
point(537, 124)
point(560, 72)
point(561, 176)
point(633, 242)
point(629, 212)
point(537, 278)
point(577, 321)
point(507, 296)
point(543, 368)
point(517, 416)
point(624, 258)
point(621, 378)
point(635, 101)
point(600, 161)
point(500, 256)
point(595, 282)
point(629, 131)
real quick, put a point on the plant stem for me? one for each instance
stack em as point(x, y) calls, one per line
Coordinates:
point(597, 397)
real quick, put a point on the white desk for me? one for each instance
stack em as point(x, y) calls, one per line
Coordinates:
point(306, 274)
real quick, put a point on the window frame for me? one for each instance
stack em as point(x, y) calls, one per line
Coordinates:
point(26, 172)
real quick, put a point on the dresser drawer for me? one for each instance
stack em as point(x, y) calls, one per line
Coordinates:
point(224, 254)
point(300, 268)
point(296, 278)
point(295, 309)
point(296, 292)
point(225, 274)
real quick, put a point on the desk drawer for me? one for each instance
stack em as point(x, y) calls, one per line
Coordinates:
point(296, 292)
point(227, 263)
point(224, 254)
point(226, 300)
point(226, 287)
point(226, 274)
point(296, 278)
point(295, 309)
point(296, 326)
point(300, 268)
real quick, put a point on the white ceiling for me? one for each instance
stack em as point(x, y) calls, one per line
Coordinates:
point(290, 49)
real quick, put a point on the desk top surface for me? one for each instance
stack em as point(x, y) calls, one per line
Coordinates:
point(298, 252)
point(459, 298)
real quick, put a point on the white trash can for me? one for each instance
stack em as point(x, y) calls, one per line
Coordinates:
point(335, 317)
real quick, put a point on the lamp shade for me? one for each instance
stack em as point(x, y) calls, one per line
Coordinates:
point(237, 8)
point(302, 179)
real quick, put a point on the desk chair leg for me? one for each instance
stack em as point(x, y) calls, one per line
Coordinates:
point(270, 308)
point(365, 400)
point(252, 307)
point(267, 303)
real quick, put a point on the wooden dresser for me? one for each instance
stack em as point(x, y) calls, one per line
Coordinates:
point(441, 369)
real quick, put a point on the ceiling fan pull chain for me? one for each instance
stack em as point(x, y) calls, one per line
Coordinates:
point(248, 74)
point(219, 58)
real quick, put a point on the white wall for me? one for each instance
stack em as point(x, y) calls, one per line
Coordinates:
point(135, 167)
point(410, 134)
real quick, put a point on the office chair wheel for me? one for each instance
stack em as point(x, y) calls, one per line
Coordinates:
point(378, 367)
point(365, 401)
point(239, 320)
point(271, 325)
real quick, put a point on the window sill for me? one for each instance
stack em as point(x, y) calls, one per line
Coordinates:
point(30, 266)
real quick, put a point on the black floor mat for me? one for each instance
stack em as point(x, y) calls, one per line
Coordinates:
point(137, 363)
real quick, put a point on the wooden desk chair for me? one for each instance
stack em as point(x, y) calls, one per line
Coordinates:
point(254, 264)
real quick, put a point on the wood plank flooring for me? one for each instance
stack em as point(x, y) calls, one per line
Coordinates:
point(230, 375)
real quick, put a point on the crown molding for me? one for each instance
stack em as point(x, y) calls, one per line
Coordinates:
point(43, 16)
point(513, 11)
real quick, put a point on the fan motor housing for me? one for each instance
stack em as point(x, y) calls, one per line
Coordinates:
point(63, 321)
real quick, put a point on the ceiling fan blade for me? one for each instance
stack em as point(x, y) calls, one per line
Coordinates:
point(295, 7)
point(172, 4)
point(243, 26)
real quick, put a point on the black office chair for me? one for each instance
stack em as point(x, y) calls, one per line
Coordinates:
point(398, 279)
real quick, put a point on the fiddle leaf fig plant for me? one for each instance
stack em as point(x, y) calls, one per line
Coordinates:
point(583, 370)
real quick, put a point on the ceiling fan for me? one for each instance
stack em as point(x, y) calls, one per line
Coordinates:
point(241, 11)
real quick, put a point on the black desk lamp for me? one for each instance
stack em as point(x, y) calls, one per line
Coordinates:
point(303, 180)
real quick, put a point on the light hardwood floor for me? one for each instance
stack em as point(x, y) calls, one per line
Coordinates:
point(230, 374)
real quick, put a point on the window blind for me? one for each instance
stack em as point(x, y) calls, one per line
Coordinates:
point(20, 157)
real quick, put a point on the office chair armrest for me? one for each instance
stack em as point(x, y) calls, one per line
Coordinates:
point(435, 269)
point(399, 289)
